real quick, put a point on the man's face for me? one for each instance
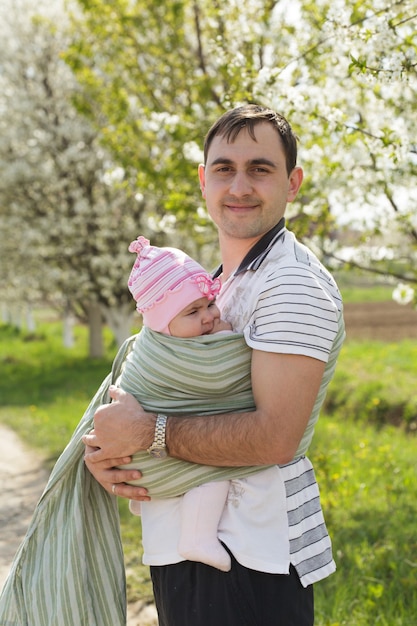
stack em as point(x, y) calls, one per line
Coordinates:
point(245, 183)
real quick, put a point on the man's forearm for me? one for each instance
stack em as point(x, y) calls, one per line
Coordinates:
point(236, 439)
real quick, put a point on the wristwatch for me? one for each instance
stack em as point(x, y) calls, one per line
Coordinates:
point(158, 449)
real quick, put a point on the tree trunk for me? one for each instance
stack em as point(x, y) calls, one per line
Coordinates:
point(68, 329)
point(30, 320)
point(5, 314)
point(95, 327)
point(120, 322)
point(15, 312)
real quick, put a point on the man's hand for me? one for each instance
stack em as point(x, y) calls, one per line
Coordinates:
point(114, 480)
point(120, 428)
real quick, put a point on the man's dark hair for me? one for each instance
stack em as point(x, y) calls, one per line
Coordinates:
point(248, 116)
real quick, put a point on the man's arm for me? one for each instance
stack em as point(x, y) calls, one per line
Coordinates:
point(285, 388)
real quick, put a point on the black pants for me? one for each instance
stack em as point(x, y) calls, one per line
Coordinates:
point(193, 594)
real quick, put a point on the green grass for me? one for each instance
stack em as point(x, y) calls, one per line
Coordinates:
point(357, 287)
point(44, 387)
point(375, 382)
point(368, 483)
point(366, 467)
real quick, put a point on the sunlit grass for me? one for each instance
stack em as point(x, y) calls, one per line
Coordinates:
point(376, 382)
point(369, 494)
point(45, 388)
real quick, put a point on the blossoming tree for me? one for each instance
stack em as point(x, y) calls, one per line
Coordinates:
point(67, 214)
point(157, 74)
point(151, 77)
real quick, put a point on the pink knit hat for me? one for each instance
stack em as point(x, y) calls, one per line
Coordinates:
point(163, 281)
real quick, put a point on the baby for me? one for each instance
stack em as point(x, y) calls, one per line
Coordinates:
point(176, 297)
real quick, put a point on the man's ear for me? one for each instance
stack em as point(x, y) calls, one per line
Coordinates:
point(295, 180)
point(202, 179)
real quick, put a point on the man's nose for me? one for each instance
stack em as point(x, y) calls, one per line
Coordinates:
point(240, 185)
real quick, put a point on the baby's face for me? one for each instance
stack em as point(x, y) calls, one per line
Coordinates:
point(198, 318)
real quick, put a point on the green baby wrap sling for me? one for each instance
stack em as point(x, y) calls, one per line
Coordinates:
point(204, 375)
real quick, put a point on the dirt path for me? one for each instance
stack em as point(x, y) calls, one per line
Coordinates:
point(22, 479)
point(382, 321)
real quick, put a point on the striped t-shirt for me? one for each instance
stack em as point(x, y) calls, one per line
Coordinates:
point(285, 301)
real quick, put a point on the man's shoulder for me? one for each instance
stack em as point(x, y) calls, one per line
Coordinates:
point(293, 263)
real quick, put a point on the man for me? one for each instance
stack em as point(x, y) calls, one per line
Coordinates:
point(288, 306)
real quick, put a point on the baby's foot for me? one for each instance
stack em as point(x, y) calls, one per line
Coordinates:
point(210, 553)
point(134, 507)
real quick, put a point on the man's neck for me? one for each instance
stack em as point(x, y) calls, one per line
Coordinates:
point(234, 251)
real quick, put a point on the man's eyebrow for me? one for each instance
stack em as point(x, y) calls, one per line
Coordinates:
point(263, 161)
point(260, 161)
point(221, 161)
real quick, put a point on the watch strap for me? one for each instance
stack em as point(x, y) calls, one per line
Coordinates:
point(159, 447)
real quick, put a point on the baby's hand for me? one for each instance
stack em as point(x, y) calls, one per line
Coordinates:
point(220, 325)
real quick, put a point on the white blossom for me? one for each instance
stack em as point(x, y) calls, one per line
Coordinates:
point(114, 176)
point(192, 152)
point(202, 212)
point(403, 294)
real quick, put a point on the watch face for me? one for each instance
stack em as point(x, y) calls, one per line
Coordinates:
point(158, 453)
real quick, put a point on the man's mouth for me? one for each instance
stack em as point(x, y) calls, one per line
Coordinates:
point(240, 207)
